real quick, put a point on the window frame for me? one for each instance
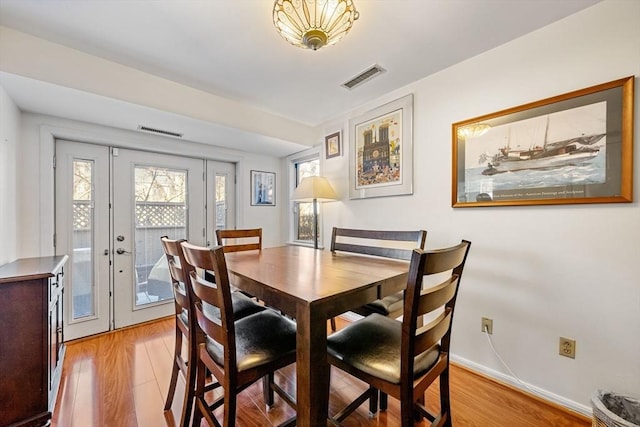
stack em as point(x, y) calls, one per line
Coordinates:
point(292, 162)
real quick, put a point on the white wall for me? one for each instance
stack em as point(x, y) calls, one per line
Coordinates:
point(9, 134)
point(35, 176)
point(539, 271)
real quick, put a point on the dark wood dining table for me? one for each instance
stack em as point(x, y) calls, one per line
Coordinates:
point(313, 286)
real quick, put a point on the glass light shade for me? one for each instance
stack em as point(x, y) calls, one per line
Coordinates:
point(314, 188)
point(473, 130)
point(311, 24)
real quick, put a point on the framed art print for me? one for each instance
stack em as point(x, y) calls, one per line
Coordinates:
point(381, 151)
point(568, 149)
point(332, 145)
point(263, 188)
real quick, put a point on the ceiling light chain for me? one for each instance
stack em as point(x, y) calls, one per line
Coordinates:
point(312, 24)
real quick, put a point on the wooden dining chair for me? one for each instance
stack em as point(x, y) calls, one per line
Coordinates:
point(236, 352)
point(382, 243)
point(240, 240)
point(249, 239)
point(399, 358)
point(179, 271)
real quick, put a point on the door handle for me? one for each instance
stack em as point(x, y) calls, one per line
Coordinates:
point(121, 251)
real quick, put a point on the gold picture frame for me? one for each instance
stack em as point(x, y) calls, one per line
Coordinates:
point(568, 149)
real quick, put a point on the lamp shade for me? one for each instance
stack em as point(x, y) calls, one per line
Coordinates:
point(311, 24)
point(314, 188)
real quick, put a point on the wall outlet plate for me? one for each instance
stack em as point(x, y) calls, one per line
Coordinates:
point(567, 347)
point(487, 324)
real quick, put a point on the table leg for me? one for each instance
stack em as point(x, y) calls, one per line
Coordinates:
point(312, 374)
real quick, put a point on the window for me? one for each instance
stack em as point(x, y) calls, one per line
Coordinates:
point(302, 221)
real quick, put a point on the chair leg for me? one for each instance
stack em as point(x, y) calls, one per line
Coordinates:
point(230, 410)
point(333, 324)
point(406, 413)
point(417, 415)
point(373, 401)
point(198, 411)
point(174, 372)
point(445, 403)
point(384, 399)
point(190, 385)
point(267, 390)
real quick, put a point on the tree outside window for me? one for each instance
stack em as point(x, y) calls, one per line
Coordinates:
point(304, 210)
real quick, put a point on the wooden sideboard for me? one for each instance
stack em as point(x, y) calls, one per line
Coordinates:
point(31, 339)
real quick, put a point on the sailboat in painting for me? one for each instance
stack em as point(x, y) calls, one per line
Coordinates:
point(543, 155)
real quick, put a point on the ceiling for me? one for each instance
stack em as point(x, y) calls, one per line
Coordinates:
point(230, 49)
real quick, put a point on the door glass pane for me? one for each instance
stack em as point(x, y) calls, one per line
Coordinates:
point(160, 210)
point(304, 217)
point(82, 283)
point(221, 202)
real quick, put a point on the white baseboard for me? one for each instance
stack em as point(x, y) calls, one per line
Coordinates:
point(544, 394)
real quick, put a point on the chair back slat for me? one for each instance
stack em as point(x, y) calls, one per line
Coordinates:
point(210, 327)
point(443, 260)
point(440, 297)
point(180, 295)
point(178, 272)
point(437, 296)
point(431, 334)
point(206, 291)
point(242, 240)
point(374, 250)
point(217, 294)
point(383, 243)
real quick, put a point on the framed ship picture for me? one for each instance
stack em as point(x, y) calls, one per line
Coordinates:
point(572, 148)
point(381, 151)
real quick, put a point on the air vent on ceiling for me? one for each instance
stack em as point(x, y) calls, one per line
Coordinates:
point(364, 76)
point(160, 131)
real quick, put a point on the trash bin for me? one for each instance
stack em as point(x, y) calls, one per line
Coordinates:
point(614, 410)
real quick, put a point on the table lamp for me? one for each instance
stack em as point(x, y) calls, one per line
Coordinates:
point(314, 189)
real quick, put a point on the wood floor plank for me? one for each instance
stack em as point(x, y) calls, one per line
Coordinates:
point(120, 379)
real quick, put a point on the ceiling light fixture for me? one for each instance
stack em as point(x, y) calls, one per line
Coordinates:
point(311, 24)
point(473, 130)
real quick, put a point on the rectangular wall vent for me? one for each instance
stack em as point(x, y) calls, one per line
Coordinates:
point(160, 131)
point(364, 76)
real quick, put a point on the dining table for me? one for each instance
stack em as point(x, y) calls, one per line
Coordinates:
point(312, 286)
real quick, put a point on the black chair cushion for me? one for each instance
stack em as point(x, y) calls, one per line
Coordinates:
point(372, 345)
point(386, 305)
point(243, 306)
point(260, 338)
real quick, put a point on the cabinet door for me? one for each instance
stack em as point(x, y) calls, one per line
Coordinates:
point(52, 331)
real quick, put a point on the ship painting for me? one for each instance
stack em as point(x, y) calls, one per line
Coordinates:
point(542, 154)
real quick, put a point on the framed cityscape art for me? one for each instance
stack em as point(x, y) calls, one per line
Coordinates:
point(381, 151)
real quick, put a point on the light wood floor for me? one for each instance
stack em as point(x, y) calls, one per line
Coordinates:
point(120, 379)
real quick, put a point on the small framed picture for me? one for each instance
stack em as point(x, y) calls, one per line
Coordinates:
point(332, 144)
point(263, 188)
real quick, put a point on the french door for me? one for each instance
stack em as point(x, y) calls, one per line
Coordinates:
point(112, 207)
point(153, 195)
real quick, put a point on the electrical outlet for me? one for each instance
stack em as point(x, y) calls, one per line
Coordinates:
point(567, 348)
point(487, 325)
